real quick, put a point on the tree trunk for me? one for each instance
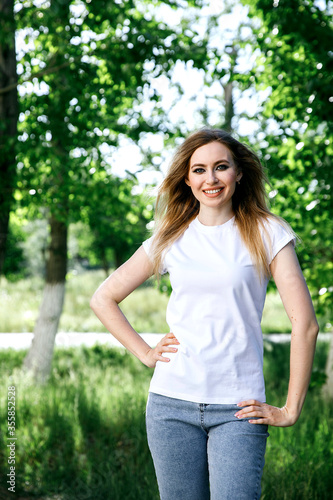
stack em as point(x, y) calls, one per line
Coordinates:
point(8, 119)
point(39, 358)
point(328, 386)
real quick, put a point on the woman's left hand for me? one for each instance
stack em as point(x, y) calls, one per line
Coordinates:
point(263, 413)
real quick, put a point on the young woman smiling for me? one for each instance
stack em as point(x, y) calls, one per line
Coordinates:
point(207, 415)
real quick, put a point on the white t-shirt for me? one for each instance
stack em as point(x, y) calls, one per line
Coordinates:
point(215, 312)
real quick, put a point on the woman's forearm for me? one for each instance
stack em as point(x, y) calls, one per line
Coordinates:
point(301, 358)
point(112, 292)
point(302, 349)
point(110, 314)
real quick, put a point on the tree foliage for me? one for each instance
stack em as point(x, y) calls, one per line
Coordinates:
point(93, 62)
point(296, 135)
point(90, 60)
point(118, 219)
point(8, 120)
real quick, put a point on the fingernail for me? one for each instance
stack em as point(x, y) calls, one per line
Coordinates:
point(236, 414)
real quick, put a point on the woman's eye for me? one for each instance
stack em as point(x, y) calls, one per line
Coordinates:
point(198, 170)
point(222, 167)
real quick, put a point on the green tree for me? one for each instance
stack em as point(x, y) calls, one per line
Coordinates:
point(117, 217)
point(296, 40)
point(228, 66)
point(14, 264)
point(296, 134)
point(8, 119)
point(92, 62)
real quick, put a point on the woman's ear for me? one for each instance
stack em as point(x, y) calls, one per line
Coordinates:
point(187, 181)
point(239, 176)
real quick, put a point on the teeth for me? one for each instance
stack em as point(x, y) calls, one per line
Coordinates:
point(212, 191)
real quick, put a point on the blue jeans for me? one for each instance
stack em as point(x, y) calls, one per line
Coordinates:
point(202, 451)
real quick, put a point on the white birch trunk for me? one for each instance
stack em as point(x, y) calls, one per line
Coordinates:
point(39, 359)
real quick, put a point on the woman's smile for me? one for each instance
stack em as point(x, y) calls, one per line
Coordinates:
point(213, 193)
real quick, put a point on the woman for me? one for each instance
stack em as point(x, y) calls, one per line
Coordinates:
point(206, 413)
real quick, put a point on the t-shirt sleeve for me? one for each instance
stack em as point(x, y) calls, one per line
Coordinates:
point(279, 236)
point(146, 245)
point(147, 248)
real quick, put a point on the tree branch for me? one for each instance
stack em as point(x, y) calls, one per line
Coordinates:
point(39, 74)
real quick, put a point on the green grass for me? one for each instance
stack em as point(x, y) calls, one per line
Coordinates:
point(145, 308)
point(275, 319)
point(82, 436)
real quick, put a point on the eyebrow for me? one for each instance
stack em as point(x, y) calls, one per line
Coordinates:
point(216, 163)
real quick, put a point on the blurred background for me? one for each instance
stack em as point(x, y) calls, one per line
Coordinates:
point(94, 98)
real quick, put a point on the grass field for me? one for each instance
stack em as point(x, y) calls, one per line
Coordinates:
point(82, 436)
point(145, 308)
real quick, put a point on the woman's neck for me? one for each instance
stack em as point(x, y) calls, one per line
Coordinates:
point(214, 218)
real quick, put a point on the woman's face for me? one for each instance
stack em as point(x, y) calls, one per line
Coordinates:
point(213, 175)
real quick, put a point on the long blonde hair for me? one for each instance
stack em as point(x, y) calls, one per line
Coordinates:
point(176, 206)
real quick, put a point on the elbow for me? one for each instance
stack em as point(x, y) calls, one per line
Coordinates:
point(313, 330)
point(94, 301)
point(100, 300)
point(308, 331)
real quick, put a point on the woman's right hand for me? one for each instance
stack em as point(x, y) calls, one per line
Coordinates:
point(164, 345)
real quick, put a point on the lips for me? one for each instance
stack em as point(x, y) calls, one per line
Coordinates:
point(213, 192)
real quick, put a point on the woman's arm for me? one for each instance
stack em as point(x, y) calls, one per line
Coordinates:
point(105, 302)
point(297, 302)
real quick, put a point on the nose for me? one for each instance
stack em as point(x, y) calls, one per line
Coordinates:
point(211, 177)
